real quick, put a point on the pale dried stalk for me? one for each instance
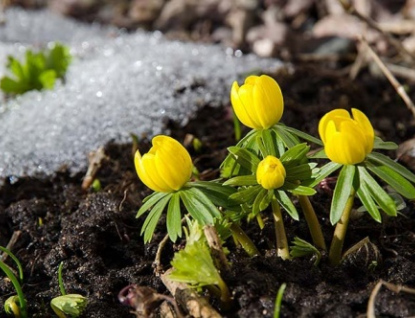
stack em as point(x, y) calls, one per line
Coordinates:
point(392, 79)
point(348, 6)
point(392, 287)
point(188, 298)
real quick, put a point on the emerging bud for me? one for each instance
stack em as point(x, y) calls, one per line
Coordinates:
point(166, 167)
point(270, 173)
point(346, 140)
point(70, 305)
point(258, 103)
point(12, 306)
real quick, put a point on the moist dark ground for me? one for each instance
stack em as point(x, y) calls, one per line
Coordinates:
point(97, 236)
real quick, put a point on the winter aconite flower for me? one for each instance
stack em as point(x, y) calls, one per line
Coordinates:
point(270, 173)
point(166, 167)
point(346, 140)
point(258, 103)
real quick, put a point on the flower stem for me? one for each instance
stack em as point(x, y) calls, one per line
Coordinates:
point(244, 240)
point(336, 246)
point(282, 242)
point(225, 298)
point(312, 222)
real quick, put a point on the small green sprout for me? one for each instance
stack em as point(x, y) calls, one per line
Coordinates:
point(39, 70)
point(194, 265)
point(348, 143)
point(67, 305)
point(96, 185)
point(278, 300)
point(301, 248)
point(12, 306)
point(70, 305)
point(18, 307)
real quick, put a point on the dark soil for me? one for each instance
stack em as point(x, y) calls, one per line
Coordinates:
point(97, 236)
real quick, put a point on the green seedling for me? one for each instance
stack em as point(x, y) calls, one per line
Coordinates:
point(301, 248)
point(14, 306)
point(278, 300)
point(67, 305)
point(194, 265)
point(38, 71)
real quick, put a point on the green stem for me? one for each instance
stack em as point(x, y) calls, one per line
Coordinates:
point(244, 240)
point(282, 242)
point(17, 287)
point(225, 297)
point(60, 280)
point(336, 246)
point(312, 222)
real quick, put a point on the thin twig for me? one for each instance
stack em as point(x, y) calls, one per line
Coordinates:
point(349, 7)
point(188, 298)
point(10, 245)
point(371, 304)
point(95, 160)
point(392, 79)
point(392, 287)
point(216, 249)
point(158, 268)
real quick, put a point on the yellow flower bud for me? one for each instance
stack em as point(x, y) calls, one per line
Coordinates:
point(258, 103)
point(166, 167)
point(270, 173)
point(346, 140)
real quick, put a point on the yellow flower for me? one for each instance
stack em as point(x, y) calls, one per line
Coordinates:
point(270, 173)
point(346, 140)
point(166, 167)
point(258, 103)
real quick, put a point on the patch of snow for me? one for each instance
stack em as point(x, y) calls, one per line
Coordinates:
point(117, 84)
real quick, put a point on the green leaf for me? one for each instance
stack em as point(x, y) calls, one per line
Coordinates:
point(241, 181)
point(229, 167)
point(194, 265)
point(153, 217)
point(378, 158)
point(257, 202)
point(59, 59)
point(286, 203)
point(318, 154)
point(394, 179)
point(245, 158)
point(15, 67)
point(300, 172)
point(363, 193)
point(246, 195)
point(289, 139)
point(384, 200)
point(298, 189)
point(217, 193)
point(301, 248)
point(10, 86)
point(342, 192)
point(267, 138)
point(302, 135)
point(266, 201)
point(295, 155)
point(149, 201)
point(199, 206)
point(48, 78)
point(174, 217)
point(380, 144)
point(324, 172)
